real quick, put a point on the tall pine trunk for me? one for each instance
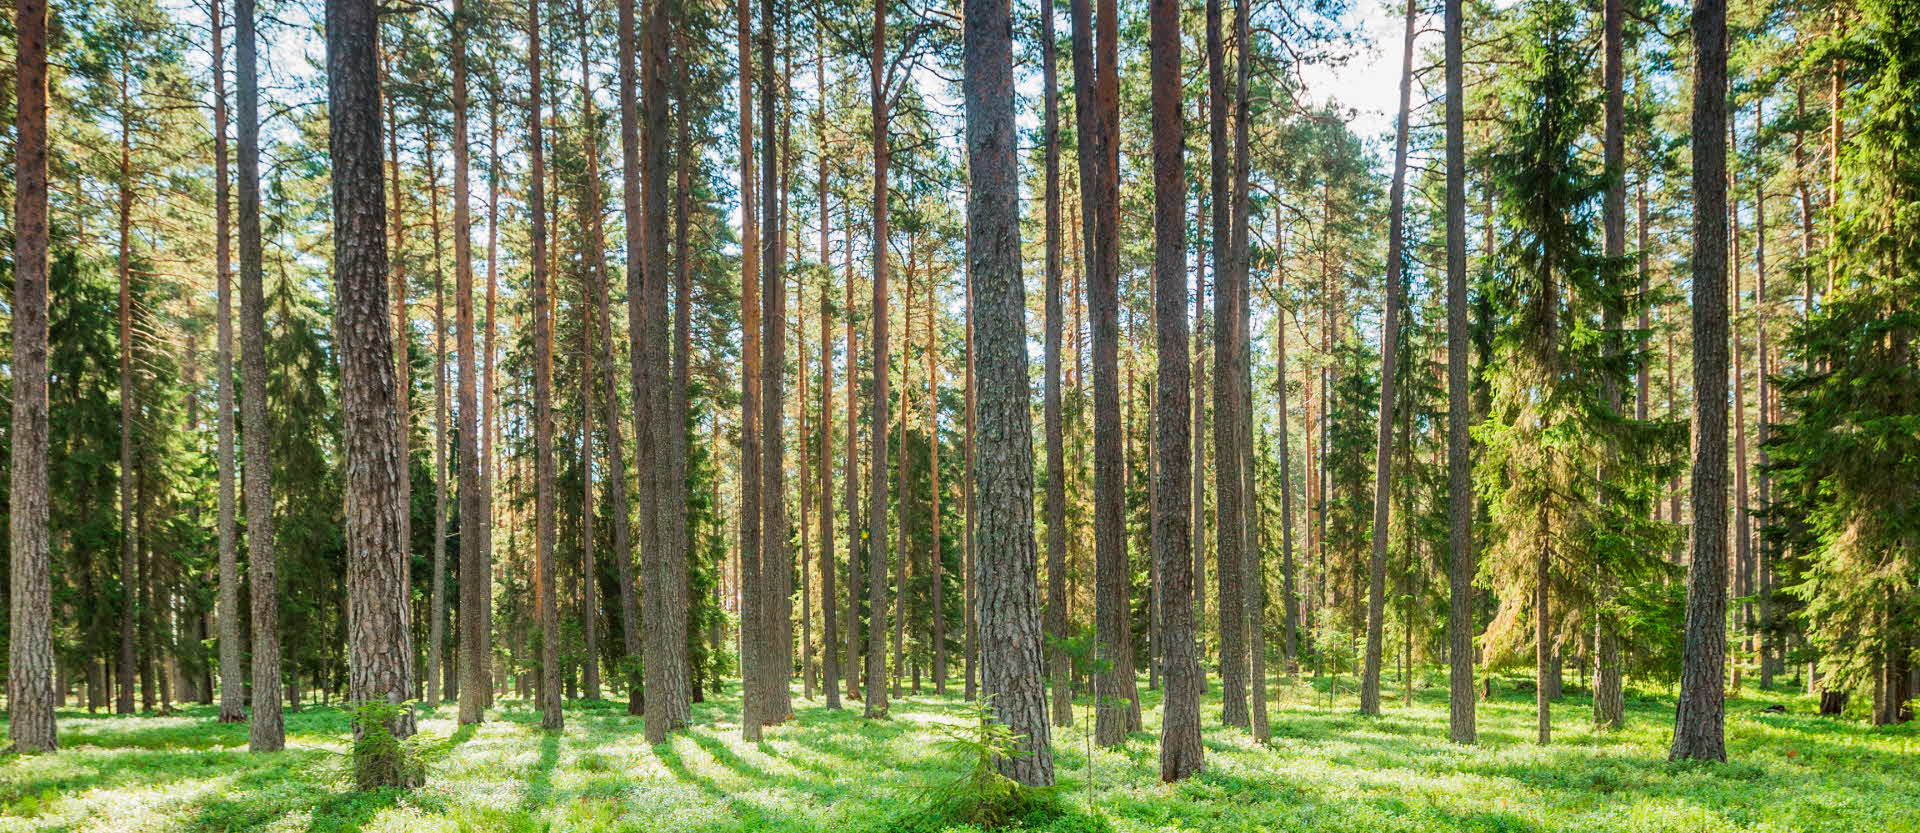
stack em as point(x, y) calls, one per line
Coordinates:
point(232, 689)
point(668, 698)
point(1181, 753)
point(1460, 500)
point(380, 653)
point(31, 694)
point(546, 595)
point(1389, 359)
point(1012, 668)
point(876, 705)
point(1059, 669)
point(830, 653)
point(1229, 511)
point(622, 555)
point(476, 555)
point(1699, 721)
point(1608, 691)
point(267, 731)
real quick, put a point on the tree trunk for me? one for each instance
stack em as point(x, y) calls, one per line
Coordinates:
point(1012, 670)
point(1097, 89)
point(751, 628)
point(476, 555)
point(829, 596)
point(1290, 600)
point(622, 555)
point(1699, 721)
point(1253, 587)
point(1389, 358)
point(31, 695)
point(267, 732)
point(1181, 753)
point(232, 690)
point(775, 561)
point(1762, 587)
point(852, 479)
point(380, 652)
point(1461, 721)
point(876, 705)
point(1229, 511)
point(1059, 670)
point(668, 699)
point(546, 594)
point(437, 612)
point(129, 537)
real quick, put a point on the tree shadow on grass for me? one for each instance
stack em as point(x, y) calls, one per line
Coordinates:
point(539, 793)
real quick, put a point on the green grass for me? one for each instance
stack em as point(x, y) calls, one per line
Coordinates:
point(1327, 769)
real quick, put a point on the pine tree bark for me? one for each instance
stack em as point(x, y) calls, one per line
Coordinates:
point(1699, 721)
point(630, 638)
point(1461, 726)
point(1012, 670)
point(938, 606)
point(380, 653)
point(1097, 91)
point(267, 730)
point(876, 704)
point(668, 697)
point(829, 605)
point(31, 693)
point(232, 689)
point(852, 479)
point(1290, 600)
point(1229, 514)
point(1253, 587)
point(1608, 682)
point(437, 609)
point(476, 553)
point(1181, 753)
point(545, 593)
point(751, 607)
point(1389, 361)
point(1059, 669)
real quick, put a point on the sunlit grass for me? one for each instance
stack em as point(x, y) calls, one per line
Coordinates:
point(1326, 769)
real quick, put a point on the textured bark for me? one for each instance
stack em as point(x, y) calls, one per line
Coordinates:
point(829, 566)
point(380, 655)
point(1608, 690)
point(751, 607)
point(232, 691)
point(1097, 92)
point(852, 480)
point(682, 353)
point(668, 698)
point(1389, 360)
point(1059, 668)
point(31, 694)
point(1290, 600)
point(622, 555)
point(1461, 726)
point(939, 574)
point(1762, 568)
point(1699, 720)
point(1253, 587)
point(545, 593)
point(970, 597)
point(489, 426)
point(437, 609)
point(476, 552)
point(1012, 670)
point(402, 336)
point(1181, 754)
point(267, 730)
point(876, 705)
point(1230, 505)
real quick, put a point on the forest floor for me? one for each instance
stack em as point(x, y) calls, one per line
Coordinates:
point(1327, 769)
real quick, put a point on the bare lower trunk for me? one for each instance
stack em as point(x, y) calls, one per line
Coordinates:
point(1059, 671)
point(379, 649)
point(1181, 753)
point(1012, 671)
point(1700, 718)
point(31, 694)
point(267, 732)
point(876, 705)
point(546, 595)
